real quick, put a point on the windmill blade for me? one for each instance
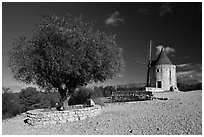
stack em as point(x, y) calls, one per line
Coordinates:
point(150, 50)
point(141, 63)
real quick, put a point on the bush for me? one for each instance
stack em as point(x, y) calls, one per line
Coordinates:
point(189, 87)
point(80, 96)
point(53, 98)
point(10, 105)
point(97, 92)
point(108, 91)
point(30, 99)
point(130, 88)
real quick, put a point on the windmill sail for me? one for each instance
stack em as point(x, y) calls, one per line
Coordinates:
point(149, 64)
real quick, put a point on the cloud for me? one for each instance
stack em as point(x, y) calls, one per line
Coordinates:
point(168, 50)
point(189, 72)
point(188, 66)
point(183, 65)
point(144, 11)
point(114, 19)
point(165, 8)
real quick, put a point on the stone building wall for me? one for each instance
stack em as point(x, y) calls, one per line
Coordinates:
point(124, 96)
point(166, 74)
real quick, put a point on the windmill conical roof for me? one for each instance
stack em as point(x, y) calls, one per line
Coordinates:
point(162, 59)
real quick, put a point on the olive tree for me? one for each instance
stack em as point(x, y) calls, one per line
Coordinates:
point(65, 50)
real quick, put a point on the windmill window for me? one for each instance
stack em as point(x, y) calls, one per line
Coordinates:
point(157, 70)
point(159, 84)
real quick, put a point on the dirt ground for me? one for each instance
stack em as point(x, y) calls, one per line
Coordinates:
point(181, 114)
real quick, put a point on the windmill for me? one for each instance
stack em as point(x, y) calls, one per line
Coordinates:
point(148, 64)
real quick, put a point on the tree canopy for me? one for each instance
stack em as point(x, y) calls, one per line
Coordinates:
point(65, 50)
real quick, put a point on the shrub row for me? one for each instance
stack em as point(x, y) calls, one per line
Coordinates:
point(189, 87)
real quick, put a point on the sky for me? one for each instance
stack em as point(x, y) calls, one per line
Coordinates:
point(176, 27)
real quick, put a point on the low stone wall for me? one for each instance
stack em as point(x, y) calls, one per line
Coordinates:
point(154, 89)
point(125, 96)
point(42, 117)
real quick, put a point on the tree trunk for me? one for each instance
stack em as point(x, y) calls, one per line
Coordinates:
point(68, 96)
point(65, 97)
point(66, 103)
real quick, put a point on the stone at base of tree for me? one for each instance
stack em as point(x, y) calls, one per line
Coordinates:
point(92, 102)
point(174, 88)
point(59, 107)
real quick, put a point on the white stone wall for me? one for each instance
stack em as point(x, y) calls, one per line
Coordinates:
point(166, 74)
point(41, 117)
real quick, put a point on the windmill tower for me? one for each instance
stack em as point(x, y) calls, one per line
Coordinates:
point(161, 73)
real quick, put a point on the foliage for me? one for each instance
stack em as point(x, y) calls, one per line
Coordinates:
point(108, 90)
point(130, 88)
point(10, 105)
point(189, 87)
point(98, 92)
point(65, 50)
point(27, 99)
point(30, 98)
point(80, 96)
point(53, 98)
